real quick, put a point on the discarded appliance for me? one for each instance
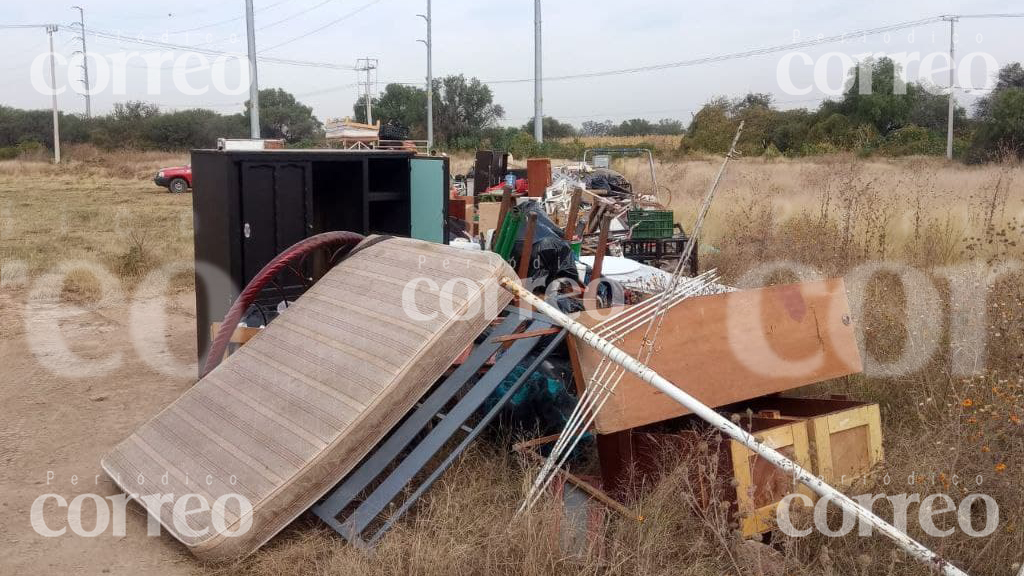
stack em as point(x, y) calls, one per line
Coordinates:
point(292, 412)
point(251, 206)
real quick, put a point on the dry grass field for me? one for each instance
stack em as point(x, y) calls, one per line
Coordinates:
point(954, 416)
point(657, 141)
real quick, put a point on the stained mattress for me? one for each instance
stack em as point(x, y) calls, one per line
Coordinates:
point(289, 415)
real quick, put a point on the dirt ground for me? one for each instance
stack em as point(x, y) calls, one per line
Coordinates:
point(56, 428)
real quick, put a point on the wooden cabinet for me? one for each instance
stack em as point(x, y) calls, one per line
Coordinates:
point(249, 206)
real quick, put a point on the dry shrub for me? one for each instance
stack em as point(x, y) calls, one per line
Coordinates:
point(466, 525)
point(137, 259)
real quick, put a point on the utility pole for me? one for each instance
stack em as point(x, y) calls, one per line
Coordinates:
point(430, 76)
point(368, 65)
point(952, 84)
point(254, 82)
point(538, 85)
point(85, 61)
point(50, 29)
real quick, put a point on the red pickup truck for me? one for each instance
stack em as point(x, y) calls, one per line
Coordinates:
point(177, 180)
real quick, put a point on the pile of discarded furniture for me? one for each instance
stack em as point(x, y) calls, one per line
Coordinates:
point(344, 381)
point(610, 217)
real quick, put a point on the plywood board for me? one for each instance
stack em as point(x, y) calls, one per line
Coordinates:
point(285, 418)
point(732, 347)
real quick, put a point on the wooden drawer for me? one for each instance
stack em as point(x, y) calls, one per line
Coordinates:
point(845, 435)
point(760, 486)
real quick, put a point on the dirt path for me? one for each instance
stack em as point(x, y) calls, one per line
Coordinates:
point(54, 427)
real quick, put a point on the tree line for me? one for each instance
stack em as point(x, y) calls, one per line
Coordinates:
point(893, 120)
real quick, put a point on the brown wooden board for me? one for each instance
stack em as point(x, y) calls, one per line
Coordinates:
point(732, 347)
point(539, 176)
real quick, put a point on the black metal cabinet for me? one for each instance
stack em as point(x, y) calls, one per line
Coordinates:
point(249, 206)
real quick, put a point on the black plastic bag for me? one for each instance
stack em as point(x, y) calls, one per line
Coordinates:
point(552, 257)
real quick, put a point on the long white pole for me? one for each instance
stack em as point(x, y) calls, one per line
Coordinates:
point(645, 373)
point(538, 71)
point(85, 61)
point(254, 82)
point(952, 87)
point(53, 83)
point(430, 79)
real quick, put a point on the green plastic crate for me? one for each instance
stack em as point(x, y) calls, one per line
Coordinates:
point(652, 224)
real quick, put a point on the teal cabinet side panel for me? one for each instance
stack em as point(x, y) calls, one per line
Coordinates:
point(428, 200)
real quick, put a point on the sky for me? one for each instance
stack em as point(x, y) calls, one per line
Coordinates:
point(493, 41)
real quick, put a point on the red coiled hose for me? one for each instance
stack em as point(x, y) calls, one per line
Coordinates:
point(344, 241)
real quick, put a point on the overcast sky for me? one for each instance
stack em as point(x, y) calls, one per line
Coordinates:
point(494, 41)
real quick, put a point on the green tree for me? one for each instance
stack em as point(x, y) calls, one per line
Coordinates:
point(1001, 117)
point(403, 105)
point(594, 128)
point(1009, 77)
point(884, 107)
point(188, 129)
point(790, 133)
point(463, 109)
point(669, 127)
point(634, 127)
point(713, 127)
point(552, 128)
point(282, 116)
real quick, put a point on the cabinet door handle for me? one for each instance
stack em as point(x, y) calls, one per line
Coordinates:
point(247, 230)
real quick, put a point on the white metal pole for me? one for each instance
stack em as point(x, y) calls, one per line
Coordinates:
point(952, 86)
point(254, 83)
point(538, 70)
point(53, 87)
point(430, 79)
point(645, 373)
point(369, 96)
point(85, 61)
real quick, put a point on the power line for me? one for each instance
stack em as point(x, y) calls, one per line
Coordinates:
point(209, 52)
point(297, 14)
point(734, 55)
point(324, 27)
point(977, 16)
point(328, 90)
point(690, 108)
point(227, 21)
point(281, 21)
point(746, 53)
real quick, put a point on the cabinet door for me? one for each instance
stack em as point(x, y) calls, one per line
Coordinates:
point(429, 199)
point(275, 212)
